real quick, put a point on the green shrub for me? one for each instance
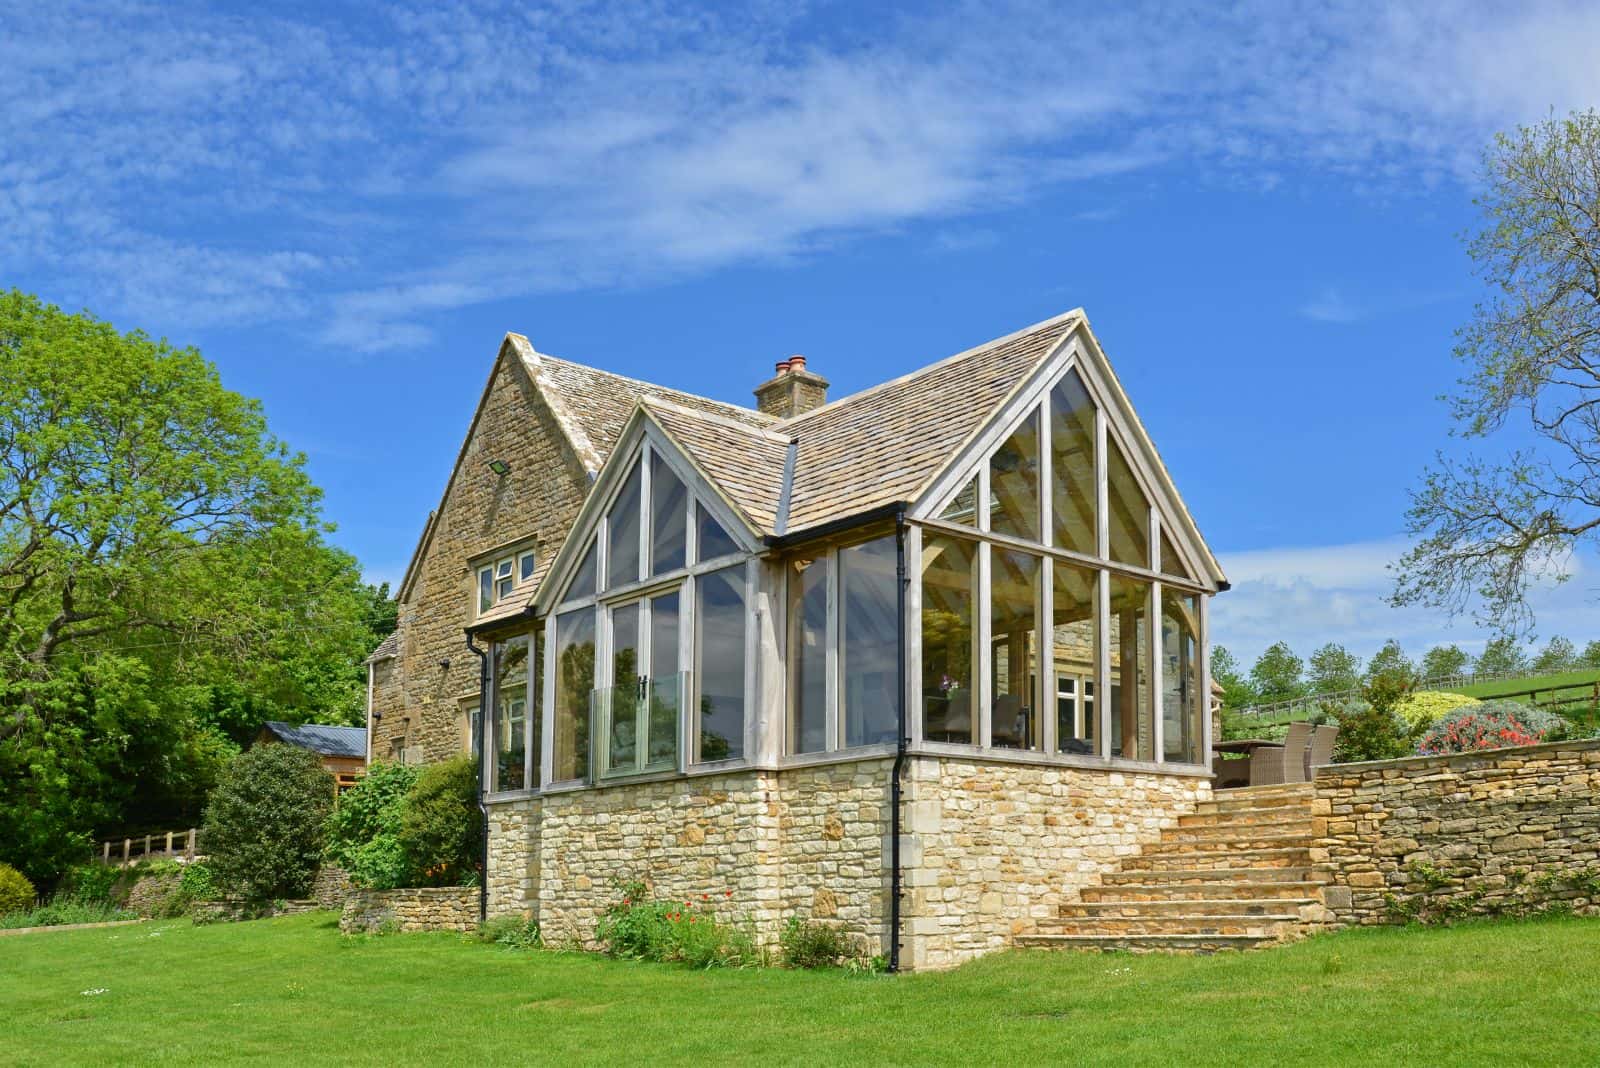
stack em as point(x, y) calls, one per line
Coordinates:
point(516, 932)
point(16, 892)
point(640, 928)
point(1367, 732)
point(198, 882)
point(810, 944)
point(1490, 725)
point(265, 823)
point(1423, 708)
point(364, 827)
point(440, 825)
point(92, 882)
point(63, 909)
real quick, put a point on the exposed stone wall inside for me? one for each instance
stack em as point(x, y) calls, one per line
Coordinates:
point(445, 908)
point(420, 700)
point(1508, 830)
point(989, 848)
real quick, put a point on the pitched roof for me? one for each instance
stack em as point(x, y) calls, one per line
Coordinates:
point(322, 738)
point(744, 462)
point(886, 443)
point(387, 649)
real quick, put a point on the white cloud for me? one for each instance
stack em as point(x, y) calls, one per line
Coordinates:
point(1331, 306)
point(1311, 595)
point(222, 168)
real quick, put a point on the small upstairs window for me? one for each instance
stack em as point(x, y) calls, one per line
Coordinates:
point(499, 579)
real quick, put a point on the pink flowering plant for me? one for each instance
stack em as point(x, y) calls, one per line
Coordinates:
point(641, 926)
point(1492, 725)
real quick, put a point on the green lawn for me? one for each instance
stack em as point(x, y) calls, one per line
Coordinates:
point(1581, 683)
point(292, 989)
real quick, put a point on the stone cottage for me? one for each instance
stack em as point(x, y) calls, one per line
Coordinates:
point(922, 661)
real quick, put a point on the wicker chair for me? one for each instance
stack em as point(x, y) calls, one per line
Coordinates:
point(1270, 765)
point(1321, 754)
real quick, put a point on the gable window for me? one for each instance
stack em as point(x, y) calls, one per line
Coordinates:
point(499, 579)
point(1056, 612)
point(649, 651)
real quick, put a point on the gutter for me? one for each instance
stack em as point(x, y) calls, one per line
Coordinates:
point(901, 741)
point(895, 510)
point(482, 755)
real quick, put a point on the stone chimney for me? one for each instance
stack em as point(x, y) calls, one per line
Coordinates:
point(792, 390)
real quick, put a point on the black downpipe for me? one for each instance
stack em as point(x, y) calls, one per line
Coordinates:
point(901, 741)
point(483, 806)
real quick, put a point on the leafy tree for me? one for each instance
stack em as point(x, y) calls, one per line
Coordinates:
point(1276, 674)
point(1557, 656)
point(1486, 528)
point(164, 584)
point(1591, 656)
point(1392, 665)
point(1502, 656)
point(1334, 668)
point(265, 823)
point(364, 828)
point(1237, 690)
point(1444, 661)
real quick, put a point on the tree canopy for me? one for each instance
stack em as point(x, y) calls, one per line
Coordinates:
point(1488, 526)
point(165, 584)
point(1334, 668)
point(1442, 661)
point(1277, 673)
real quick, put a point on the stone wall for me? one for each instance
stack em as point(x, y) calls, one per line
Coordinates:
point(444, 908)
point(331, 886)
point(514, 857)
point(1507, 830)
point(419, 700)
point(989, 848)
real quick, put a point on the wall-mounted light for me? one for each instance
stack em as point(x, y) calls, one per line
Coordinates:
point(444, 664)
point(500, 467)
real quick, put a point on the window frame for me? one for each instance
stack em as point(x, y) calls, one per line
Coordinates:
point(487, 577)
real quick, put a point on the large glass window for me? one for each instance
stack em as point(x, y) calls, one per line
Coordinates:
point(1014, 483)
point(583, 579)
point(719, 664)
point(574, 685)
point(1180, 676)
point(1171, 562)
point(869, 643)
point(1130, 512)
point(1014, 649)
point(1132, 703)
point(508, 771)
point(949, 709)
point(669, 518)
point(964, 507)
point(622, 542)
point(808, 654)
point(1074, 610)
point(1072, 469)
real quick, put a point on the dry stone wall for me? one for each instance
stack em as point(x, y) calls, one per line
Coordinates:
point(444, 908)
point(1509, 830)
point(991, 848)
point(514, 858)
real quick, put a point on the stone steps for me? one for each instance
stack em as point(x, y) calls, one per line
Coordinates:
point(1234, 874)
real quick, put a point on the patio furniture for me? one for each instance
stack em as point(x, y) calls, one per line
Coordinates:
point(1270, 766)
point(1321, 751)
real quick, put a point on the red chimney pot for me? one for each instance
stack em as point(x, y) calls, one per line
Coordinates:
point(782, 368)
point(797, 363)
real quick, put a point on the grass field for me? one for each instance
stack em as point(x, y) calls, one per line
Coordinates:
point(1574, 684)
point(293, 990)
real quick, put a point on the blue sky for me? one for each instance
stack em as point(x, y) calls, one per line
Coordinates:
point(346, 208)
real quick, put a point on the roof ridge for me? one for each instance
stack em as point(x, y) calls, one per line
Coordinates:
point(656, 386)
point(648, 401)
point(993, 343)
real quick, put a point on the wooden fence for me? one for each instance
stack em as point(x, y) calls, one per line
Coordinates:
point(124, 851)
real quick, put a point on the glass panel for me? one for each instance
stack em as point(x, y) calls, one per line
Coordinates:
point(525, 567)
point(1132, 711)
point(669, 518)
point(719, 663)
point(1171, 562)
point(714, 541)
point(503, 569)
point(1074, 614)
point(964, 509)
point(574, 683)
point(1072, 471)
point(620, 711)
point(661, 725)
point(1180, 676)
point(485, 589)
point(583, 579)
point(622, 541)
point(511, 715)
point(1130, 512)
point(869, 642)
point(502, 588)
point(1014, 483)
point(536, 710)
point(949, 714)
point(1014, 649)
point(808, 655)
